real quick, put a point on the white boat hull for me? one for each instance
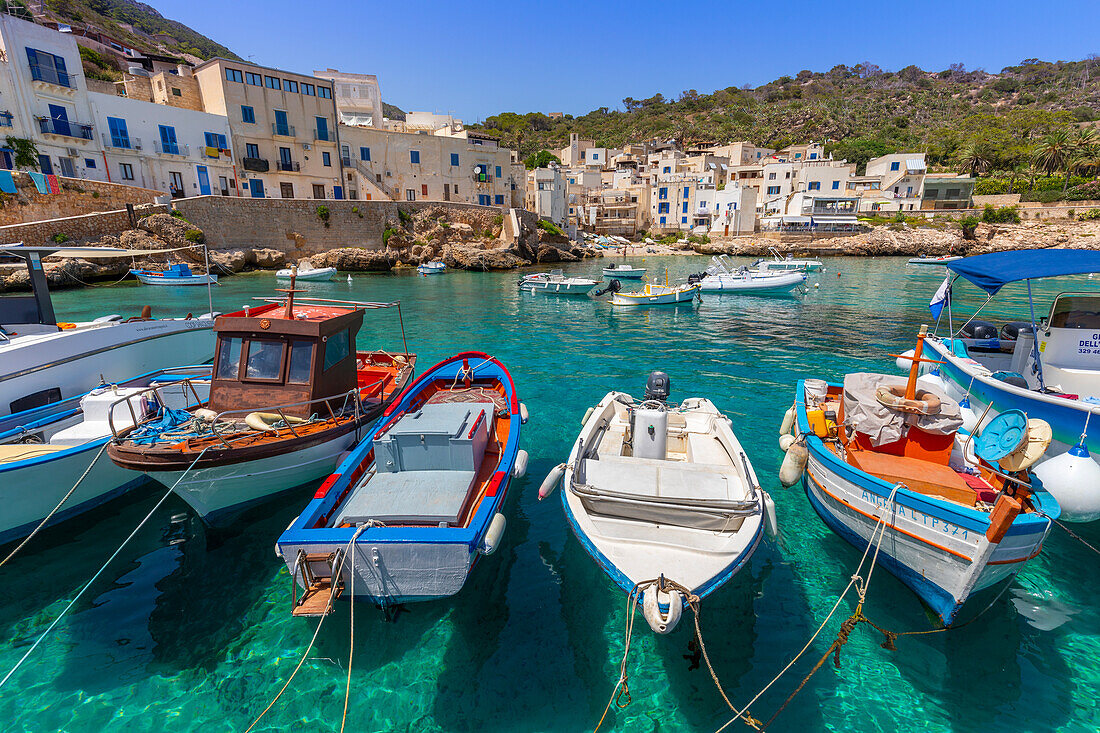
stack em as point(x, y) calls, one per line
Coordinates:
point(559, 288)
point(73, 361)
point(773, 284)
point(655, 297)
point(211, 491)
point(321, 274)
point(632, 273)
point(175, 281)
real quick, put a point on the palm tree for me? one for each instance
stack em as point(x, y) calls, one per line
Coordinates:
point(974, 156)
point(1053, 153)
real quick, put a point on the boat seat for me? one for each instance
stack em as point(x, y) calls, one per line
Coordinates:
point(924, 477)
point(421, 497)
point(21, 451)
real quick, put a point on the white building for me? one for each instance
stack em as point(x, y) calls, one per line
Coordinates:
point(546, 194)
point(358, 97)
point(44, 99)
point(181, 151)
point(682, 202)
point(901, 181)
point(734, 211)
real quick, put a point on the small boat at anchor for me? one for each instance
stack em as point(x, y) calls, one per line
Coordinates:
point(556, 283)
point(653, 294)
point(55, 449)
point(306, 272)
point(943, 260)
point(174, 275)
point(420, 499)
point(289, 395)
point(882, 461)
point(432, 268)
point(658, 492)
point(623, 271)
point(789, 263)
point(721, 277)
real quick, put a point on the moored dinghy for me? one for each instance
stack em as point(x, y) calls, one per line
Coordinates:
point(289, 394)
point(416, 503)
point(663, 497)
point(879, 458)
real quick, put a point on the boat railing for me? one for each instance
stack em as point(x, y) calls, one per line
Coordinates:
point(350, 304)
point(153, 389)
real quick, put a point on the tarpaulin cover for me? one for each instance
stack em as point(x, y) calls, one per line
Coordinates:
point(865, 414)
point(992, 271)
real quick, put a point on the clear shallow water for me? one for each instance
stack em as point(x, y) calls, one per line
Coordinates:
point(189, 631)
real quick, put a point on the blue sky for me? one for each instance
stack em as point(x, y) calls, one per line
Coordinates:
point(476, 59)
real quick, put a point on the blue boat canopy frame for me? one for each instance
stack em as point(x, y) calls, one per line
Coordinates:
point(992, 271)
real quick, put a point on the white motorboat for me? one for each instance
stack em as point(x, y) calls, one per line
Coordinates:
point(45, 451)
point(432, 268)
point(623, 271)
point(786, 264)
point(660, 492)
point(556, 283)
point(657, 295)
point(723, 277)
point(934, 260)
point(175, 275)
point(307, 272)
point(42, 361)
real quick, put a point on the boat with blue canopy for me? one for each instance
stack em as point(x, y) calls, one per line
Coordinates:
point(178, 274)
point(1047, 366)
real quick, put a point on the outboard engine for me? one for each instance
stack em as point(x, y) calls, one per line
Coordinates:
point(979, 330)
point(696, 277)
point(1011, 331)
point(657, 387)
point(613, 286)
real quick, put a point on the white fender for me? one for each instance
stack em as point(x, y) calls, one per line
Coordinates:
point(771, 523)
point(523, 415)
point(587, 414)
point(933, 381)
point(264, 420)
point(969, 417)
point(786, 441)
point(662, 623)
point(788, 421)
point(794, 463)
point(904, 364)
point(519, 468)
point(492, 537)
point(205, 415)
point(551, 481)
point(1073, 479)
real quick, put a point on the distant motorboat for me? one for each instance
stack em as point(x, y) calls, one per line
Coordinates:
point(306, 271)
point(722, 277)
point(557, 283)
point(624, 272)
point(786, 264)
point(933, 260)
point(432, 268)
point(175, 275)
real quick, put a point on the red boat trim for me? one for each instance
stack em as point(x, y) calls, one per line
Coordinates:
point(480, 417)
point(498, 478)
point(322, 490)
point(894, 527)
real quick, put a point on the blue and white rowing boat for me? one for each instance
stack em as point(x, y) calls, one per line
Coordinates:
point(45, 452)
point(892, 475)
point(178, 274)
point(407, 514)
point(432, 268)
point(1048, 368)
point(663, 498)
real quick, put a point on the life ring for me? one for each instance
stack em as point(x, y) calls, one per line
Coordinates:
point(894, 398)
point(264, 421)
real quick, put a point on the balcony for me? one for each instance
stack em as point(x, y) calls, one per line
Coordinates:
point(64, 128)
point(121, 143)
point(49, 75)
point(259, 165)
point(324, 136)
point(282, 130)
point(289, 166)
point(162, 148)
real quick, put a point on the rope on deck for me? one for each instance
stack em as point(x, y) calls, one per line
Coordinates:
point(99, 572)
point(53, 511)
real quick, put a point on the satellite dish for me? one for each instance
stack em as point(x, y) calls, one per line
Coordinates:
point(477, 169)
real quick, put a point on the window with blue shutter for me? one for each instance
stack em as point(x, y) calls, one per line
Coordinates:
point(326, 159)
point(454, 158)
point(684, 210)
point(168, 140)
point(322, 128)
point(498, 171)
point(120, 138)
point(498, 200)
point(414, 157)
point(364, 153)
point(48, 68)
point(248, 115)
point(836, 185)
point(895, 166)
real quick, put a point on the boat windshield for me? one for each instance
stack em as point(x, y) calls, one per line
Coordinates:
point(1076, 310)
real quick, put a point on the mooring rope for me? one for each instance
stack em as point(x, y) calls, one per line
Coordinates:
point(351, 641)
point(53, 511)
point(305, 655)
point(99, 572)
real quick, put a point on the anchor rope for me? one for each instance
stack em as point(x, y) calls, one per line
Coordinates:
point(351, 642)
point(99, 572)
point(53, 511)
point(316, 632)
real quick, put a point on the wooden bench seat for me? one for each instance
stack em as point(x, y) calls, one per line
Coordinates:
point(925, 477)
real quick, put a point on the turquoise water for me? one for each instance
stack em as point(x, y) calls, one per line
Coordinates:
point(190, 631)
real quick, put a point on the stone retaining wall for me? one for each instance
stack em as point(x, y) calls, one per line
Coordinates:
point(293, 226)
point(78, 196)
point(76, 228)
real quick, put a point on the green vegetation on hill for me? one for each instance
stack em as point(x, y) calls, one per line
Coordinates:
point(970, 121)
point(392, 112)
point(109, 16)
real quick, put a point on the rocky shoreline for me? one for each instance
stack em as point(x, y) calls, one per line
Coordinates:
point(488, 244)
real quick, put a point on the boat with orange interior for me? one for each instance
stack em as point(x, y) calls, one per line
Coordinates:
point(289, 395)
point(409, 512)
point(883, 462)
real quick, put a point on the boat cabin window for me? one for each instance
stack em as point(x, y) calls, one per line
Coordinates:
point(301, 356)
point(1076, 311)
point(337, 348)
point(229, 357)
point(265, 360)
